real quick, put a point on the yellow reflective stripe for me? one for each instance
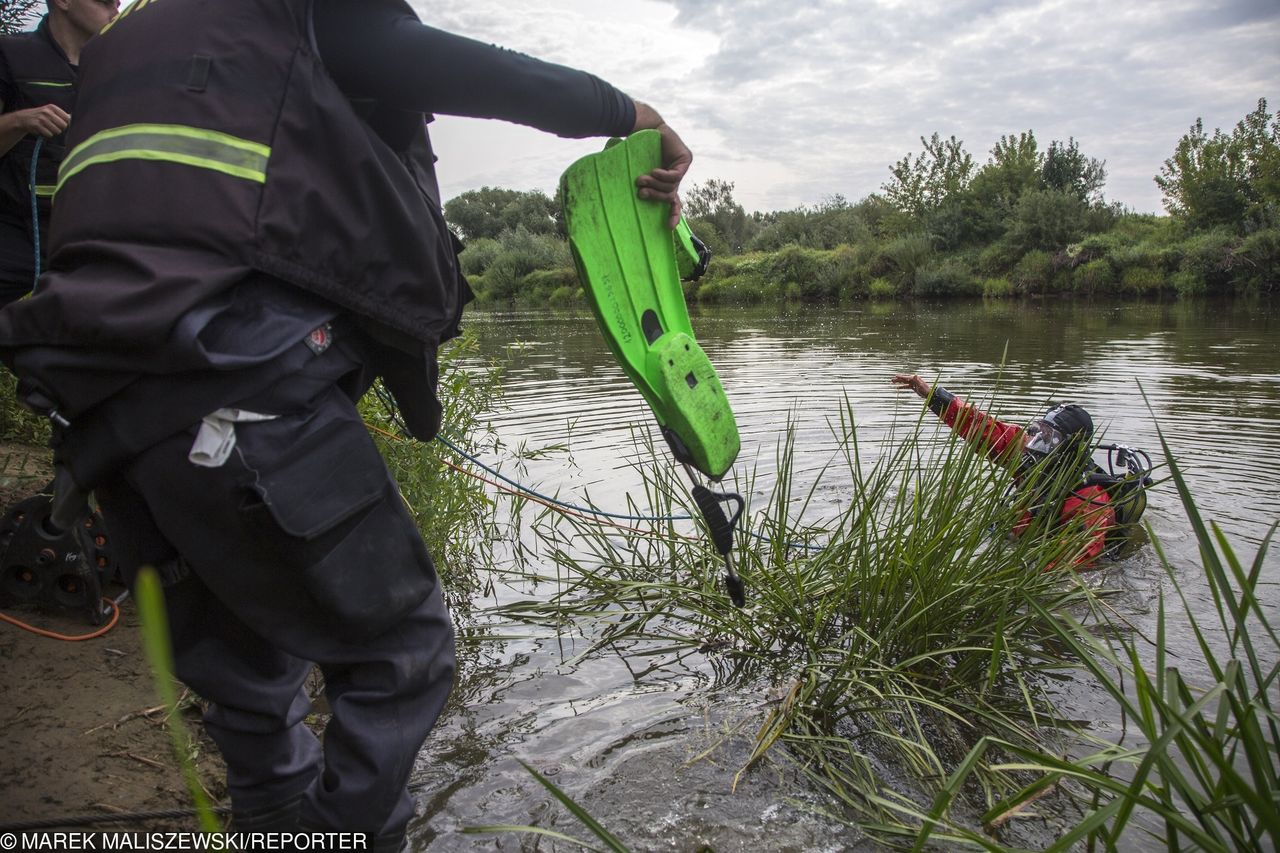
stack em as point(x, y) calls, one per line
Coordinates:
point(45, 190)
point(173, 143)
point(52, 84)
point(124, 13)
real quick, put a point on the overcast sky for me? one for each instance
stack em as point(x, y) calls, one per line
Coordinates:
point(798, 100)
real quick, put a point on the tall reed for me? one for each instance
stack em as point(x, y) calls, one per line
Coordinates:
point(1201, 770)
point(898, 633)
point(452, 510)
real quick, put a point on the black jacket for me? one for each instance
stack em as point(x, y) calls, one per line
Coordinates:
point(222, 146)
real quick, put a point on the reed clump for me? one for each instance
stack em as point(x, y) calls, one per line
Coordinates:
point(1198, 767)
point(897, 633)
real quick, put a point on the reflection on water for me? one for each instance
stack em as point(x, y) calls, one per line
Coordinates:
point(1206, 375)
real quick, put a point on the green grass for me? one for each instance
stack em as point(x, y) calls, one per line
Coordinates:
point(913, 644)
point(155, 642)
point(902, 630)
point(454, 513)
point(18, 423)
point(1203, 766)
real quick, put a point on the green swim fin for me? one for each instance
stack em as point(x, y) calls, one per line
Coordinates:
point(630, 265)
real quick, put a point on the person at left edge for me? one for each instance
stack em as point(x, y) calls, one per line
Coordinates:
point(246, 231)
point(37, 94)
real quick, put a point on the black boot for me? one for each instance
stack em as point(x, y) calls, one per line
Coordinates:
point(282, 817)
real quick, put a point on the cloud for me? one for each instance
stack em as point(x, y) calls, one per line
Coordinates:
point(795, 101)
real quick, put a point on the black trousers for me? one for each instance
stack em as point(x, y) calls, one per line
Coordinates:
point(300, 552)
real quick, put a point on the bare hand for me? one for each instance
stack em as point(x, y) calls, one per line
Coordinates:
point(663, 184)
point(915, 383)
point(46, 120)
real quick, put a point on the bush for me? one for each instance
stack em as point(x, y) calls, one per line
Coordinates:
point(737, 280)
point(998, 258)
point(477, 255)
point(1142, 280)
point(1093, 277)
point(882, 288)
point(1189, 283)
point(1257, 262)
point(518, 253)
point(736, 290)
point(900, 259)
point(539, 285)
point(1205, 259)
point(1146, 255)
point(949, 277)
point(815, 275)
point(706, 231)
point(1096, 246)
point(997, 288)
point(846, 272)
point(565, 296)
point(1034, 273)
point(792, 269)
point(1046, 219)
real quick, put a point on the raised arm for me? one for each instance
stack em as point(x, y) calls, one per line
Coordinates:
point(1000, 441)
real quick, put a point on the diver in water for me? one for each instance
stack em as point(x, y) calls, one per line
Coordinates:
point(1106, 504)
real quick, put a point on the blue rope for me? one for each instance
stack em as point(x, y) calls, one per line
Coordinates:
point(649, 518)
point(389, 405)
point(35, 210)
point(534, 493)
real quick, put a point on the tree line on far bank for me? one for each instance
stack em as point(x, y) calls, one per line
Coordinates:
point(1030, 220)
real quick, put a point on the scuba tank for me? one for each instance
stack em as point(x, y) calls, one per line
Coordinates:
point(1125, 480)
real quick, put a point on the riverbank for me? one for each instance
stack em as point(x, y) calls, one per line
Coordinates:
point(1139, 258)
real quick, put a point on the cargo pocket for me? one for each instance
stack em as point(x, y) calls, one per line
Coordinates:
point(331, 512)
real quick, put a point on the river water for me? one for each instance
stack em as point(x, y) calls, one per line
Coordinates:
point(653, 755)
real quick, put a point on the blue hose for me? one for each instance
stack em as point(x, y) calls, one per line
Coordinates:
point(533, 493)
point(35, 211)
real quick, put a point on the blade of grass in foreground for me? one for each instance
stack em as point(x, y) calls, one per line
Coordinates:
point(155, 640)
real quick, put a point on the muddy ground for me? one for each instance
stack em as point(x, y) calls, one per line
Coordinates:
point(81, 734)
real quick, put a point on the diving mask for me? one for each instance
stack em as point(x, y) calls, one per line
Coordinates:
point(1043, 437)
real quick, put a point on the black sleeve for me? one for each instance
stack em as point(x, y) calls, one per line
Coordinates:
point(379, 49)
point(940, 400)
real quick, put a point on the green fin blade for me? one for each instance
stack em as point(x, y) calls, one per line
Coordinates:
point(630, 269)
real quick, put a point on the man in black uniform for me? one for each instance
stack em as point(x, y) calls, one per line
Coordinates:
point(37, 92)
point(248, 231)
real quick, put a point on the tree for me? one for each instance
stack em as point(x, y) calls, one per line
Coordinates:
point(1226, 179)
point(16, 15)
point(984, 212)
point(832, 222)
point(1047, 219)
point(1015, 167)
point(1066, 170)
point(489, 211)
point(712, 204)
point(921, 185)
